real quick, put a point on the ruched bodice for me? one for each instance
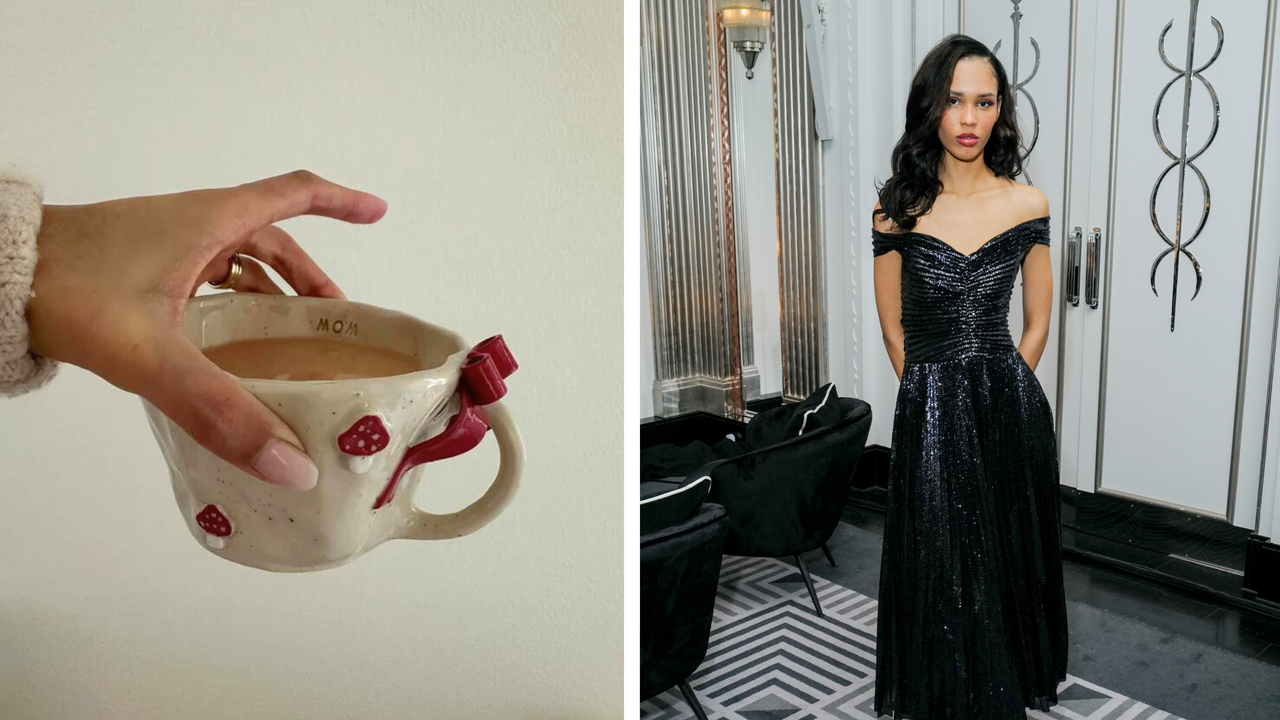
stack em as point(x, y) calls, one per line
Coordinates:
point(956, 305)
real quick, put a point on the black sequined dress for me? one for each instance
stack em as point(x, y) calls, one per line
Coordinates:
point(972, 613)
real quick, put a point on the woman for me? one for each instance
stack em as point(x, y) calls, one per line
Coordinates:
point(103, 285)
point(972, 619)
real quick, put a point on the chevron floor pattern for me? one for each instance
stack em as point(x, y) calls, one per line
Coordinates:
point(771, 658)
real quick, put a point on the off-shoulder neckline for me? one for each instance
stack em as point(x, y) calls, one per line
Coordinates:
point(993, 238)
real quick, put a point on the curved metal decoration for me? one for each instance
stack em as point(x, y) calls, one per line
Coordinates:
point(1020, 87)
point(1182, 161)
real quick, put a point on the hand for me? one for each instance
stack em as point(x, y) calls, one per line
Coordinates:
point(112, 280)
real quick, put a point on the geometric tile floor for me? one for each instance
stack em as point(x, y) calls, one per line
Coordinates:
point(771, 658)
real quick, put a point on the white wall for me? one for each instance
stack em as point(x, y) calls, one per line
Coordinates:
point(496, 139)
point(872, 76)
point(756, 195)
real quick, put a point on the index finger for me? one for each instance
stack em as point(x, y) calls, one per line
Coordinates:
point(302, 192)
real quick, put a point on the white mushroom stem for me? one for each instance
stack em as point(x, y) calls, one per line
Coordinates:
point(215, 542)
point(359, 464)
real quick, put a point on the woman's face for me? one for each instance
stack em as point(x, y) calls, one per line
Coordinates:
point(973, 107)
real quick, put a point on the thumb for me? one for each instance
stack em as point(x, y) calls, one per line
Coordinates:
point(217, 412)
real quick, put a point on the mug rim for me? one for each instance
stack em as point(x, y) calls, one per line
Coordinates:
point(444, 369)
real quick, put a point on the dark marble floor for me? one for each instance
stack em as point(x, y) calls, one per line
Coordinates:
point(1162, 606)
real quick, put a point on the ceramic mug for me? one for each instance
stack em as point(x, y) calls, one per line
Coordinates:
point(363, 434)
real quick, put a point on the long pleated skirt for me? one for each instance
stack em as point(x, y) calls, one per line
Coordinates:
point(972, 614)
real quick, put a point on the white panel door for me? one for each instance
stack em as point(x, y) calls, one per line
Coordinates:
point(1162, 164)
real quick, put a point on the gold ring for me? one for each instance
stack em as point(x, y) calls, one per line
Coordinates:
point(232, 275)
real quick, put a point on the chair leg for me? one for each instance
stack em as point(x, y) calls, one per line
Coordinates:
point(808, 582)
point(692, 699)
point(827, 550)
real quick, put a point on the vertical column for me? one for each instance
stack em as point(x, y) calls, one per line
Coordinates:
point(732, 117)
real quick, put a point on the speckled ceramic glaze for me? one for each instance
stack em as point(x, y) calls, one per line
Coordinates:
point(364, 493)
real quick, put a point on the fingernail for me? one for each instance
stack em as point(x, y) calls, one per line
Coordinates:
point(280, 463)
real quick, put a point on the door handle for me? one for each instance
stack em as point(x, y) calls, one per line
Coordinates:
point(1091, 268)
point(1073, 267)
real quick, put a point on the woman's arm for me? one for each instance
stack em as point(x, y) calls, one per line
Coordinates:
point(1037, 291)
point(888, 282)
point(113, 279)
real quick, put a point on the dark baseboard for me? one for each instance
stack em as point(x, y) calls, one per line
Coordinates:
point(699, 425)
point(1208, 583)
point(765, 402)
point(686, 428)
point(1161, 529)
point(872, 470)
point(1204, 556)
point(1262, 570)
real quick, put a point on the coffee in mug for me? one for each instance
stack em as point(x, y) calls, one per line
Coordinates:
point(309, 358)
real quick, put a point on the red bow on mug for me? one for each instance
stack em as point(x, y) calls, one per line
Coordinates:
point(480, 383)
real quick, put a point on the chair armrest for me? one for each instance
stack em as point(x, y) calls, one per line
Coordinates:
point(709, 513)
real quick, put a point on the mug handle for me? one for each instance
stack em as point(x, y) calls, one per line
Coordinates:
point(480, 386)
point(422, 525)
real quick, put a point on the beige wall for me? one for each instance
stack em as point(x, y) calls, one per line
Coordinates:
point(495, 136)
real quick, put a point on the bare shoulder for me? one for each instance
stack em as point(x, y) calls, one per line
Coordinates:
point(882, 223)
point(1030, 200)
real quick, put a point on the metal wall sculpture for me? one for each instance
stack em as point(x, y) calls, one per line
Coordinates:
point(801, 265)
point(1182, 161)
point(1020, 86)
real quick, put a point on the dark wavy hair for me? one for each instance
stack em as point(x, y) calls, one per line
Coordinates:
point(914, 184)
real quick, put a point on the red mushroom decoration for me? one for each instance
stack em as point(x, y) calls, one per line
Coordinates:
point(366, 437)
point(216, 525)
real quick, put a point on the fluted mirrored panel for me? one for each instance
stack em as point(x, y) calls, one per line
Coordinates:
point(684, 138)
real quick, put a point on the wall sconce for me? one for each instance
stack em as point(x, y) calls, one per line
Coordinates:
point(746, 25)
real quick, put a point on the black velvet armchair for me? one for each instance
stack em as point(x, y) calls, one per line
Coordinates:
point(785, 499)
point(679, 574)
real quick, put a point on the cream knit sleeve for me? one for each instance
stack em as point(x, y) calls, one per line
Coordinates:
point(21, 208)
